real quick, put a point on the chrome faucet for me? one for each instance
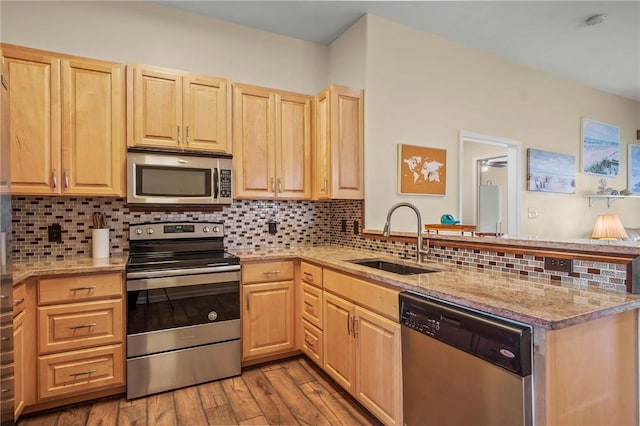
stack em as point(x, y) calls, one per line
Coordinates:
point(387, 228)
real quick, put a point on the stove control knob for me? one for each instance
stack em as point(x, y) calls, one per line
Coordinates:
point(216, 229)
point(139, 231)
point(206, 229)
point(149, 231)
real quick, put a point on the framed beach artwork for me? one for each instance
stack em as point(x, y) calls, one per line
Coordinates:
point(600, 148)
point(551, 172)
point(422, 170)
point(634, 169)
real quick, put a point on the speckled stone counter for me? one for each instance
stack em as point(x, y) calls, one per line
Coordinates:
point(24, 270)
point(535, 301)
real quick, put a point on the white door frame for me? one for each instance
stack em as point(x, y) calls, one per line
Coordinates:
point(514, 149)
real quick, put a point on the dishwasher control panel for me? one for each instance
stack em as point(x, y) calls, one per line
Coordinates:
point(419, 321)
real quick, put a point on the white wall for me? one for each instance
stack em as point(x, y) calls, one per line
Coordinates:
point(142, 32)
point(422, 90)
point(347, 56)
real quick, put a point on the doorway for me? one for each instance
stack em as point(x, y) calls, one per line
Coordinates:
point(500, 160)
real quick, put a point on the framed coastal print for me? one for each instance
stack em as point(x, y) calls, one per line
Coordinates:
point(551, 172)
point(634, 169)
point(422, 170)
point(600, 148)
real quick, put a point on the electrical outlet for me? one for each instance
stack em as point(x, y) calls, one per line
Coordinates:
point(356, 227)
point(557, 264)
point(54, 233)
point(344, 225)
point(273, 227)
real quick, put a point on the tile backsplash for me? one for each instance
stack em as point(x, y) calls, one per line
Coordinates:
point(298, 222)
point(246, 227)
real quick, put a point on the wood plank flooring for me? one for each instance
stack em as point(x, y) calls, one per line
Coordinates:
point(288, 392)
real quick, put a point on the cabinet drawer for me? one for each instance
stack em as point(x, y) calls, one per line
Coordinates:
point(312, 342)
point(19, 298)
point(312, 304)
point(267, 271)
point(311, 274)
point(375, 297)
point(79, 325)
point(79, 287)
point(73, 373)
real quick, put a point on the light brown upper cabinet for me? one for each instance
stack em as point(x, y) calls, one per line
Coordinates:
point(175, 109)
point(339, 144)
point(271, 143)
point(66, 125)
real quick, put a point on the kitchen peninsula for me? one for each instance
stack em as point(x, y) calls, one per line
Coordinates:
point(575, 327)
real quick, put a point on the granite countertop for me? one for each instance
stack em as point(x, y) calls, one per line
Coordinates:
point(539, 302)
point(23, 270)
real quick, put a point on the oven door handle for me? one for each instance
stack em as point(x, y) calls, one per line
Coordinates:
point(178, 272)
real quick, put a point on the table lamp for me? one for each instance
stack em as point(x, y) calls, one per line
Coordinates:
point(608, 227)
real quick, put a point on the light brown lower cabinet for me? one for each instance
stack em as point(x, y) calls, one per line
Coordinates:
point(362, 350)
point(267, 309)
point(70, 373)
point(18, 363)
point(267, 326)
point(69, 340)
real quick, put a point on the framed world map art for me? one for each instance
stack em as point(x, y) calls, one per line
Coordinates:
point(422, 170)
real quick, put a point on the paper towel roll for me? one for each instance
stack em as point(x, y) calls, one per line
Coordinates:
point(100, 242)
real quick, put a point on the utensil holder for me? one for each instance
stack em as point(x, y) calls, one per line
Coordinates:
point(100, 242)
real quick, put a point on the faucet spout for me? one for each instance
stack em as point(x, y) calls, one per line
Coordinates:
point(387, 228)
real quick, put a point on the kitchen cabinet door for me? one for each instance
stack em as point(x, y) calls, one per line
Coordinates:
point(93, 138)
point(19, 363)
point(378, 366)
point(253, 142)
point(293, 146)
point(338, 340)
point(205, 113)
point(34, 124)
point(267, 318)
point(339, 152)
point(271, 143)
point(154, 107)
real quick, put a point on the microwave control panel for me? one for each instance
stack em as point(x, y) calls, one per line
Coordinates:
point(225, 183)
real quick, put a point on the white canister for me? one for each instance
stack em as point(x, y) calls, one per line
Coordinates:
point(100, 242)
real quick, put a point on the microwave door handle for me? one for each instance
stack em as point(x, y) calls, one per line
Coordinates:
point(216, 183)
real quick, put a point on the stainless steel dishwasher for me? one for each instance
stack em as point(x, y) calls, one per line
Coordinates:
point(463, 367)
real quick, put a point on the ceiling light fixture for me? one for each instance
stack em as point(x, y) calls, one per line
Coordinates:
point(595, 19)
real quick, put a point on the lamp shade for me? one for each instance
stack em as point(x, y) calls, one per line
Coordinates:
point(609, 227)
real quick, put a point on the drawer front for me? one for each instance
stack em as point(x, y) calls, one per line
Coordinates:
point(267, 271)
point(312, 342)
point(312, 304)
point(19, 298)
point(79, 287)
point(73, 373)
point(311, 274)
point(79, 325)
point(375, 297)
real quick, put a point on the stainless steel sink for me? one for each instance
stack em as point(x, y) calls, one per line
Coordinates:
point(396, 268)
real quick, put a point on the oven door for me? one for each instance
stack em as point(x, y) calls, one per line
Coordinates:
point(175, 312)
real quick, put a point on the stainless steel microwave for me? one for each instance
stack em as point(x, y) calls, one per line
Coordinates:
point(158, 177)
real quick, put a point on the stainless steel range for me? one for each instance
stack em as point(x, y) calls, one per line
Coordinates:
point(183, 307)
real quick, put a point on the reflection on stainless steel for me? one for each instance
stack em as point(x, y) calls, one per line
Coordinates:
point(175, 369)
point(183, 307)
point(178, 338)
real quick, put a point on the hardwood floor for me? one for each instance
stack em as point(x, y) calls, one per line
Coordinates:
point(289, 392)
